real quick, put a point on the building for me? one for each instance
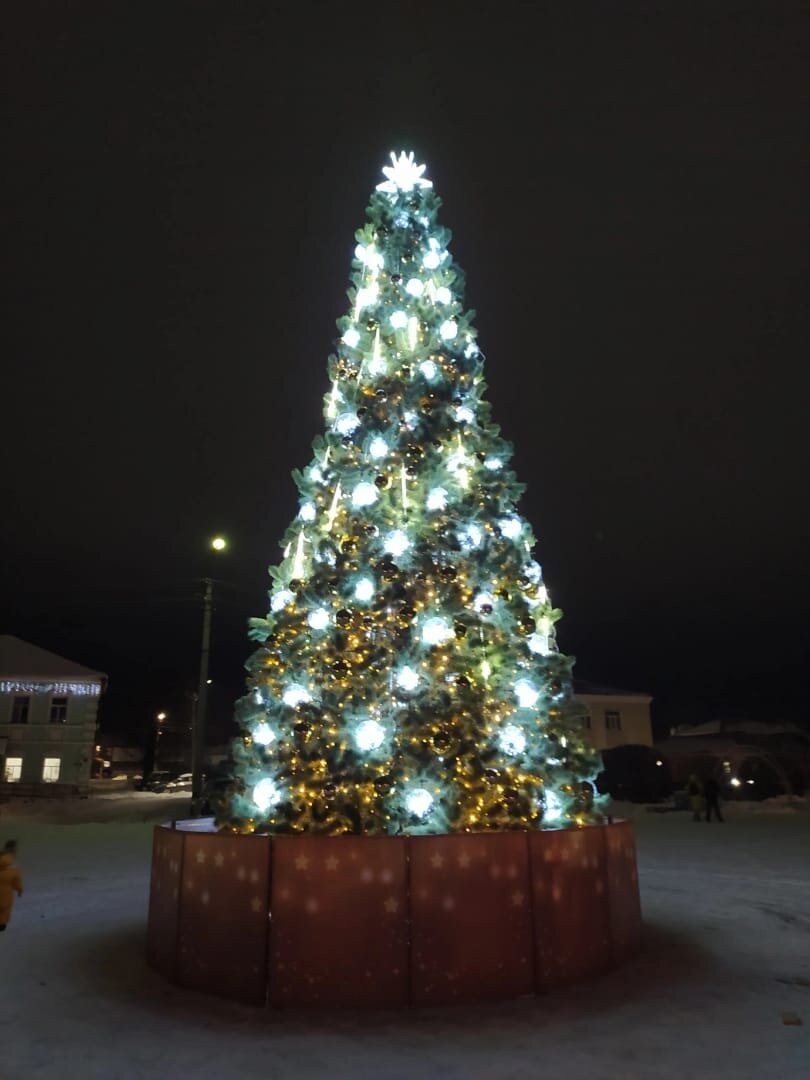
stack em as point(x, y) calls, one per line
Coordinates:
point(614, 717)
point(48, 709)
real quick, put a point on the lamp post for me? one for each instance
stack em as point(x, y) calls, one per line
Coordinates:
point(159, 718)
point(218, 544)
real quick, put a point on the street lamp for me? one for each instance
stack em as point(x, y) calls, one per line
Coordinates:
point(217, 544)
point(159, 718)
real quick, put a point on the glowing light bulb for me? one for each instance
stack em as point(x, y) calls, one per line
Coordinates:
point(307, 512)
point(448, 329)
point(493, 464)
point(464, 414)
point(316, 474)
point(263, 735)
point(510, 527)
point(364, 494)
point(553, 806)
point(471, 537)
point(443, 295)
point(378, 448)
point(396, 543)
point(266, 794)
point(429, 370)
point(526, 693)
point(366, 296)
point(399, 320)
point(369, 735)
point(318, 619)
point(431, 260)
point(346, 423)
point(415, 287)
point(511, 739)
point(364, 589)
point(435, 631)
point(437, 499)
point(351, 338)
point(408, 679)
point(471, 350)
point(281, 599)
point(484, 600)
point(418, 802)
point(296, 695)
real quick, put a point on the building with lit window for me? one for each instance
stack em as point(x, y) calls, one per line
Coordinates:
point(48, 711)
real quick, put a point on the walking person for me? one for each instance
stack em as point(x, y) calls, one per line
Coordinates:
point(711, 792)
point(10, 882)
point(694, 789)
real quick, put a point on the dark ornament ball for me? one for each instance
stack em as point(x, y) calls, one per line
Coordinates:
point(485, 609)
point(343, 617)
point(448, 573)
point(396, 278)
point(441, 742)
point(491, 775)
point(407, 613)
point(340, 668)
point(526, 625)
point(348, 546)
point(382, 785)
point(303, 728)
point(462, 682)
point(459, 629)
point(347, 440)
point(381, 481)
point(329, 790)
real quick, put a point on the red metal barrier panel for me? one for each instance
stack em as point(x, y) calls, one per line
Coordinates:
point(223, 915)
point(471, 918)
point(622, 886)
point(572, 925)
point(164, 901)
point(339, 930)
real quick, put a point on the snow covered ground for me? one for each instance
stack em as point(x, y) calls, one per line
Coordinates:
point(724, 972)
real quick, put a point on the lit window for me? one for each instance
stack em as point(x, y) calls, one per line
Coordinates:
point(13, 770)
point(19, 710)
point(51, 768)
point(613, 720)
point(59, 710)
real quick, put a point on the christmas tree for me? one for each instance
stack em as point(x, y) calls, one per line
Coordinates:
point(408, 679)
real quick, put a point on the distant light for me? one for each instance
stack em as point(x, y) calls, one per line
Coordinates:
point(734, 781)
point(659, 762)
point(208, 682)
point(219, 543)
point(750, 781)
point(162, 716)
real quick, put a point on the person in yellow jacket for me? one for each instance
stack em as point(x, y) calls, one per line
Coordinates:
point(10, 882)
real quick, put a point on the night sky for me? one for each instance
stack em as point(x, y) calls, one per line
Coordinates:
point(627, 187)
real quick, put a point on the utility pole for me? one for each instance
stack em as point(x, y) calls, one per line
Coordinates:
point(198, 727)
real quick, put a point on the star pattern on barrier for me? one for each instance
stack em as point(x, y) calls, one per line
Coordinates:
point(403, 174)
point(241, 873)
point(463, 860)
point(437, 861)
point(391, 905)
point(201, 856)
point(301, 862)
point(331, 863)
point(254, 876)
point(219, 859)
point(255, 904)
point(205, 896)
point(517, 898)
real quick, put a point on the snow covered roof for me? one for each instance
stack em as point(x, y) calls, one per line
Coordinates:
point(588, 689)
point(21, 659)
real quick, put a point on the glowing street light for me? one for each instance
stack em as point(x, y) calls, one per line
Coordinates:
point(219, 543)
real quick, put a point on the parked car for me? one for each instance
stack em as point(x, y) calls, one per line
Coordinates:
point(180, 783)
point(155, 782)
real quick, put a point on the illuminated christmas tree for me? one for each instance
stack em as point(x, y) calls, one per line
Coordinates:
point(407, 679)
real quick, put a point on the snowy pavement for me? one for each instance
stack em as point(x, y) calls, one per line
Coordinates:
point(723, 976)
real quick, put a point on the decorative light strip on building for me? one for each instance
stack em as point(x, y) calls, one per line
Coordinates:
point(80, 689)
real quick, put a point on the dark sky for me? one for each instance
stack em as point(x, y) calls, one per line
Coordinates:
point(627, 186)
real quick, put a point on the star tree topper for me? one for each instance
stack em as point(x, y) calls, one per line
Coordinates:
point(403, 174)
